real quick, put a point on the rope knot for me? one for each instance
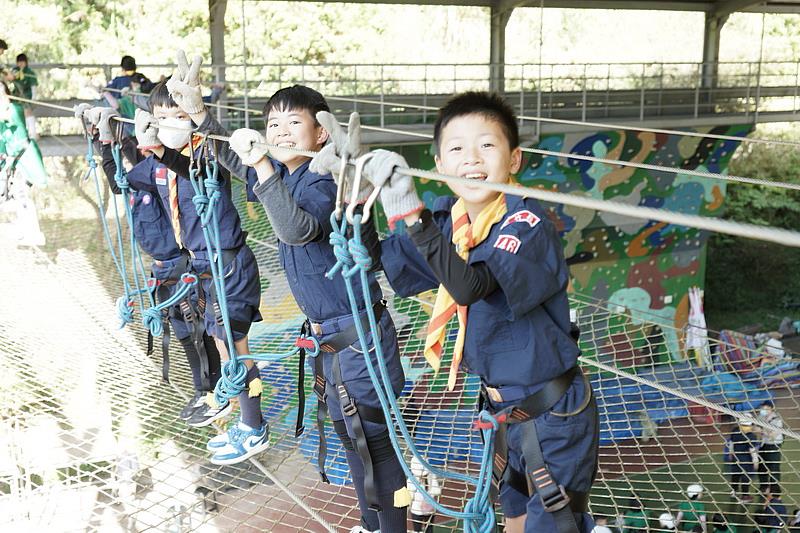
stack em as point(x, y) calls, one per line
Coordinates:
point(200, 202)
point(231, 381)
point(124, 310)
point(343, 258)
point(151, 318)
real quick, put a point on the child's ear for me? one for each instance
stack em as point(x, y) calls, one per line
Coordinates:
point(322, 135)
point(438, 164)
point(516, 160)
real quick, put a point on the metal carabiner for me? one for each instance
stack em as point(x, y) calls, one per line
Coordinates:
point(360, 162)
point(340, 188)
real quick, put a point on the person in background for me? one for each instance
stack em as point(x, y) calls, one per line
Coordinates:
point(25, 81)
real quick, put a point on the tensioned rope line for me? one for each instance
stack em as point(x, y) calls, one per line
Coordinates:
point(690, 398)
point(601, 125)
point(210, 104)
point(740, 229)
point(594, 159)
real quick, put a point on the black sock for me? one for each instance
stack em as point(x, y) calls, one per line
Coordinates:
point(193, 358)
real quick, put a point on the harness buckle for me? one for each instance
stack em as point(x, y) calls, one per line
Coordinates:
point(348, 405)
point(501, 418)
point(554, 497)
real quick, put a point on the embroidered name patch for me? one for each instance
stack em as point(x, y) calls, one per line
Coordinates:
point(161, 176)
point(521, 216)
point(509, 243)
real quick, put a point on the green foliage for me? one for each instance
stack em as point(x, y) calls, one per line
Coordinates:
point(748, 281)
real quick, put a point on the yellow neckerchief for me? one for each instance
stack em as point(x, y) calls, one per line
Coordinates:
point(466, 236)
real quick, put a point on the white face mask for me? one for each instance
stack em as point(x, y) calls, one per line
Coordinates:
point(174, 138)
point(764, 413)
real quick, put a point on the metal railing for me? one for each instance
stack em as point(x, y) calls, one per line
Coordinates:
point(588, 91)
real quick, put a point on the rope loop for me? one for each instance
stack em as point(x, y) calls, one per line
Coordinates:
point(231, 381)
point(338, 241)
point(124, 310)
point(151, 318)
point(359, 252)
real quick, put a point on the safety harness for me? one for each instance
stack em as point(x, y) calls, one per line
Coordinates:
point(560, 502)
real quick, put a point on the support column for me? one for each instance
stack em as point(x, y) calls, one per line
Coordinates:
point(500, 14)
point(711, 35)
point(216, 23)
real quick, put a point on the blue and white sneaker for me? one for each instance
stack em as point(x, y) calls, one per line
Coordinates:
point(221, 440)
point(243, 442)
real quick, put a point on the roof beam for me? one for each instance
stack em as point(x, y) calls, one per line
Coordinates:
point(723, 8)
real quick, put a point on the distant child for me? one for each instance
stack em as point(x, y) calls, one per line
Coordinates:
point(24, 82)
point(692, 513)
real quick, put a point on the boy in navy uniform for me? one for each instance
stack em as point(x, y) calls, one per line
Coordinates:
point(299, 202)
point(153, 231)
point(169, 146)
point(498, 263)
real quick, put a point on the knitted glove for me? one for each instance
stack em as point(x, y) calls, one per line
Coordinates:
point(146, 127)
point(398, 194)
point(104, 124)
point(341, 145)
point(184, 85)
point(242, 142)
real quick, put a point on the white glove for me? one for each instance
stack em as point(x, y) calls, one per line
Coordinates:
point(103, 124)
point(80, 110)
point(399, 195)
point(345, 144)
point(184, 85)
point(242, 142)
point(146, 127)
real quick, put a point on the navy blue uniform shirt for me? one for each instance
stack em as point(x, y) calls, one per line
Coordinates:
point(305, 265)
point(153, 177)
point(519, 334)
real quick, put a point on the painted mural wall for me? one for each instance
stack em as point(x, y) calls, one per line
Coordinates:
point(642, 267)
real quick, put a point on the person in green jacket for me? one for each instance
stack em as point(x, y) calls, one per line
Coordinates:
point(692, 513)
point(21, 167)
point(635, 520)
point(24, 82)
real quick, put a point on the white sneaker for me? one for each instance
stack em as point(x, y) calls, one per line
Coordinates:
point(243, 443)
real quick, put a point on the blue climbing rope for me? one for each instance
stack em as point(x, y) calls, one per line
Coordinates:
point(207, 193)
point(353, 257)
point(137, 264)
point(124, 304)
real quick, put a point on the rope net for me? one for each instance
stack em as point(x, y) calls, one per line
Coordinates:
point(92, 438)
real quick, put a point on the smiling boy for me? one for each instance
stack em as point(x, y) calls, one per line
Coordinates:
point(499, 268)
point(298, 202)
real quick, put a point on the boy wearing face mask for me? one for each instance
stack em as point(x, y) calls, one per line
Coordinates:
point(299, 199)
point(769, 469)
point(167, 134)
point(153, 231)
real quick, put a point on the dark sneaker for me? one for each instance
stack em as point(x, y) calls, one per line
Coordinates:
point(197, 401)
point(206, 414)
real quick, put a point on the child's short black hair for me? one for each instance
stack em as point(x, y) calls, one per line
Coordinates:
point(128, 63)
point(297, 97)
point(3, 45)
point(490, 105)
point(22, 57)
point(159, 96)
